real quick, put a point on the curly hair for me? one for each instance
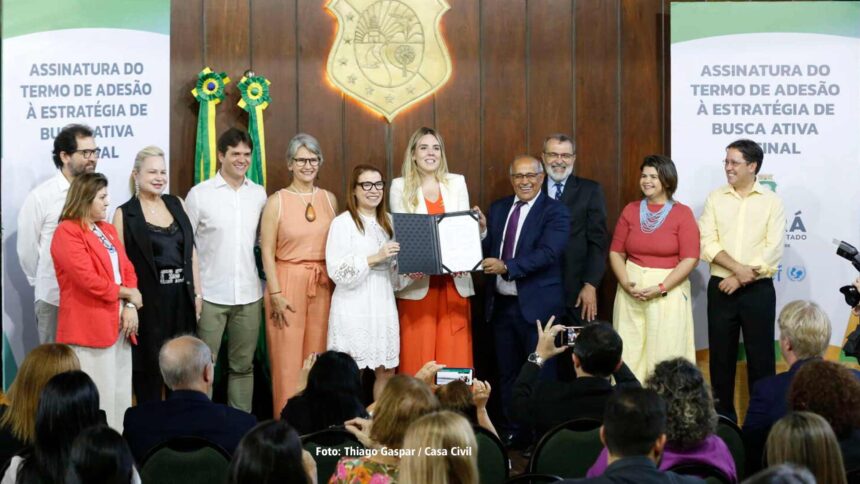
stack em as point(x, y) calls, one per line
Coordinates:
point(830, 390)
point(689, 404)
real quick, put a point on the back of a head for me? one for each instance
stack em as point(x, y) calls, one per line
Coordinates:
point(182, 361)
point(449, 434)
point(598, 348)
point(690, 408)
point(633, 420)
point(828, 389)
point(403, 401)
point(334, 372)
point(270, 453)
point(100, 456)
point(806, 439)
point(457, 397)
point(806, 326)
point(782, 474)
point(39, 366)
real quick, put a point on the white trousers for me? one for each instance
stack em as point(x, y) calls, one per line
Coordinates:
point(110, 369)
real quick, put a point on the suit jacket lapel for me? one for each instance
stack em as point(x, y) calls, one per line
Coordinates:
point(570, 191)
point(138, 231)
point(531, 222)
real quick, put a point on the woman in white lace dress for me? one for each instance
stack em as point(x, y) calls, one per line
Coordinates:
point(360, 260)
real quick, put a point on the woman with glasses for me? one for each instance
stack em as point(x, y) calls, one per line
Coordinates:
point(159, 241)
point(654, 248)
point(98, 293)
point(435, 321)
point(293, 234)
point(360, 257)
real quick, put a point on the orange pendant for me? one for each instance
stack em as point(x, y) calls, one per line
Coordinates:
point(310, 213)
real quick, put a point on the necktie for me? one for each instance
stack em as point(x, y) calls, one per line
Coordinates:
point(558, 190)
point(511, 232)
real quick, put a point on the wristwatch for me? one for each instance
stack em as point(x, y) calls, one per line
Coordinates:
point(536, 359)
point(663, 291)
point(130, 305)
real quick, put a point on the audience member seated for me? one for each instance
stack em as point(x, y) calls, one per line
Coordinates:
point(832, 391)
point(806, 439)
point(692, 420)
point(187, 367)
point(272, 453)
point(804, 335)
point(782, 474)
point(330, 396)
point(404, 399)
point(449, 433)
point(69, 404)
point(18, 419)
point(471, 402)
point(634, 431)
point(100, 456)
point(596, 356)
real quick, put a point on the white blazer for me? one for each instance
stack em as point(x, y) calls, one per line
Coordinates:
point(456, 198)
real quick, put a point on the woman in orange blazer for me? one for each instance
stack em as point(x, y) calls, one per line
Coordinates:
point(98, 293)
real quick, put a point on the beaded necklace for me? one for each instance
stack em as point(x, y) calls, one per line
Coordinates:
point(650, 221)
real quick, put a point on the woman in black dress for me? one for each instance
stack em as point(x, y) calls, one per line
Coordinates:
point(160, 243)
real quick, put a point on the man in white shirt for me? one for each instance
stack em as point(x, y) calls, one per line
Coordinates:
point(75, 152)
point(225, 214)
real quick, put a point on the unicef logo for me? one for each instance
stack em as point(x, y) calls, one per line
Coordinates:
point(796, 273)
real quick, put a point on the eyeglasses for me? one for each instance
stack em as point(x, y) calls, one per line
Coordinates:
point(732, 163)
point(88, 154)
point(301, 162)
point(367, 186)
point(518, 177)
point(555, 156)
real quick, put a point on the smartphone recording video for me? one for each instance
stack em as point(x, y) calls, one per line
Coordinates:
point(568, 336)
point(447, 375)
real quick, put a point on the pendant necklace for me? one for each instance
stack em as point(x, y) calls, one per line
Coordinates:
point(310, 213)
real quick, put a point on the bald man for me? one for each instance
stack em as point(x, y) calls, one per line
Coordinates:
point(188, 368)
point(526, 236)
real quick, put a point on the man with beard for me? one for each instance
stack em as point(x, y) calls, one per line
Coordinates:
point(584, 260)
point(75, 153)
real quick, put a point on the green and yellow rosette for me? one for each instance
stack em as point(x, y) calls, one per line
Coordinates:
point(255, 99)
point(208, 92)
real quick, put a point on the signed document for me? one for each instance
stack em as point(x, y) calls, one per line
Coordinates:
point(438, 244)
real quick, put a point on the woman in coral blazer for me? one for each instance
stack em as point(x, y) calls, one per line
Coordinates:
point(98, 293)
point(435, 321)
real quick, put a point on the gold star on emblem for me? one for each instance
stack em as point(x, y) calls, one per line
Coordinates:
point(347, 41)
point(368, 91)
point(410, 90)
point(351, 79)
point(350, 17)
point(389, 98)
point(342, 61)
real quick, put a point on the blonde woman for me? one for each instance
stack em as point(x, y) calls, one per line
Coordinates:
point(806, 439)
point(159, 241)
point(450, 435)
point(435, 322)
point(18, 419)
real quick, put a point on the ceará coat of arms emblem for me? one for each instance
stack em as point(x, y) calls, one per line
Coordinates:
point(388, 54)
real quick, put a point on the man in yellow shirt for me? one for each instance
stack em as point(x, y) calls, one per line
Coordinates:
point(742, 229)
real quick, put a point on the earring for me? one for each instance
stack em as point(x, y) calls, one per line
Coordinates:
point(136, 188)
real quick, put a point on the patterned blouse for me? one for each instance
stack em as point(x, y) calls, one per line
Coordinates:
point(362, 470)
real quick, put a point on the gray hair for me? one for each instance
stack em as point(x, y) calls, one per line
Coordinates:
point(806, 326)
point(182, 360)
point(525, 157)
point(303, 140)
point(561, 138)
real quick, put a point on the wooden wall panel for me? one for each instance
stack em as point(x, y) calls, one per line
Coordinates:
point(186, 60)
point(273, 55)
point(319, 104)
point(458, 103)
point(226, 29)
point(550, 71)
point(364, 138)
point(503, 90)
point(641, 91)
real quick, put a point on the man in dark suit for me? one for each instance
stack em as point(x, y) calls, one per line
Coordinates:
point(584, 260)
point(596, 357)
point(526, 234)
point(804, 334)
point(634, 432)
point(187, 367)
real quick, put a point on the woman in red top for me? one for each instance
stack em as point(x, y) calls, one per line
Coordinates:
point(654, 248)
point(98, 293)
